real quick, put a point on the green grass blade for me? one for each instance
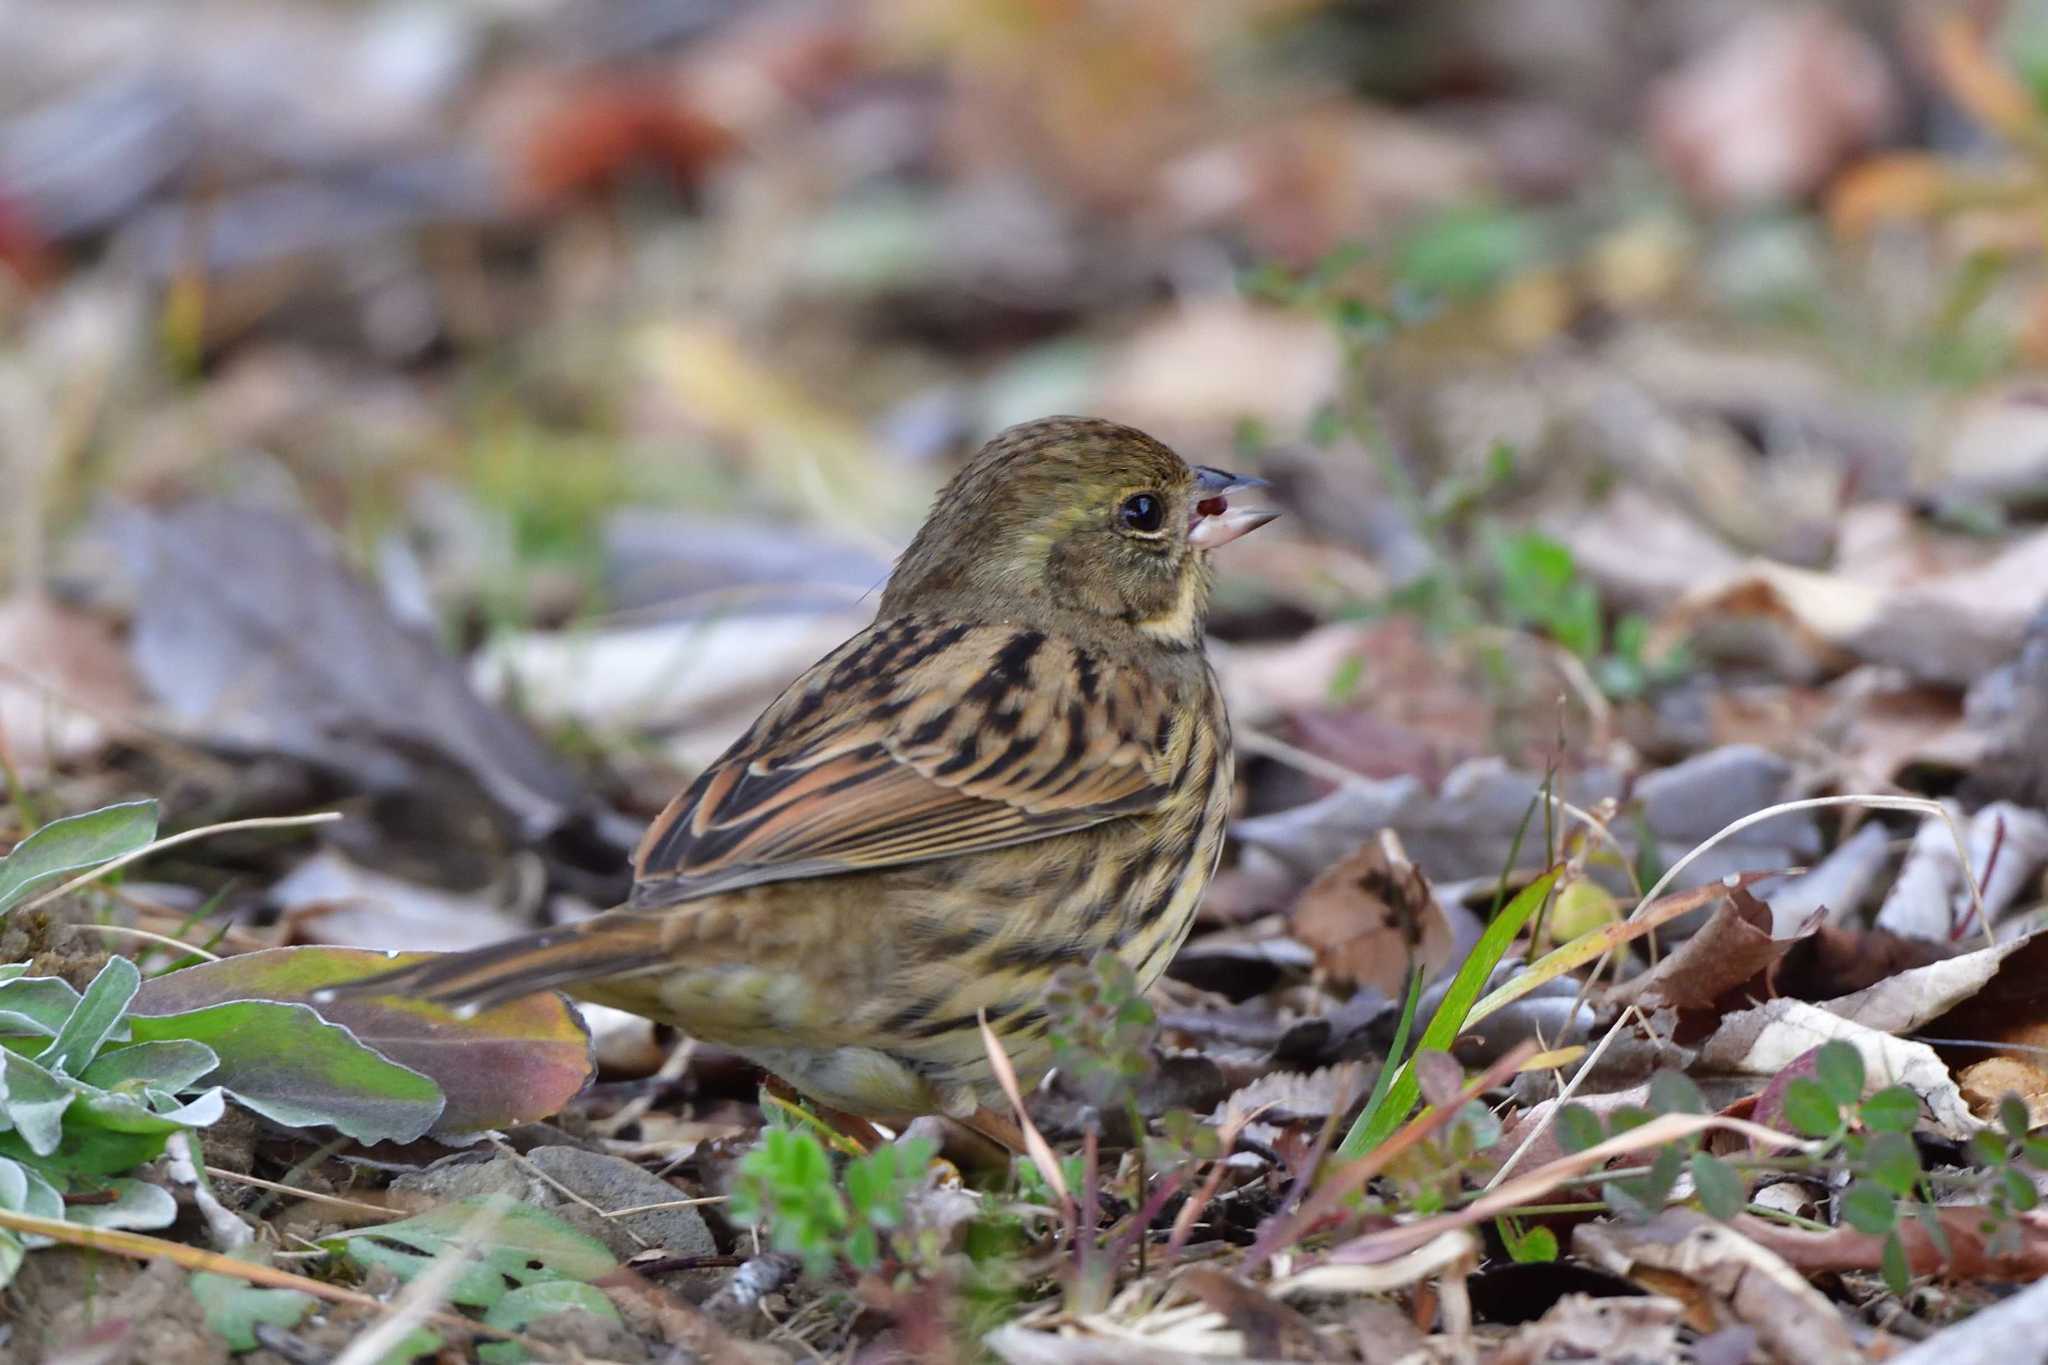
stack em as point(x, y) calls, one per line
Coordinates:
point(1395, 1054)
point(1379, 1121)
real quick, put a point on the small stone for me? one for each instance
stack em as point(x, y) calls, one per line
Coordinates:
point(611, 1182)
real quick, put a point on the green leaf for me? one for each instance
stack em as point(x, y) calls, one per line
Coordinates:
point(878, 1184)
point(787, 1180)
point(1870, 1208)
point(293, 1067)
point(2019, 1190)
point(36, 1006)
point(34, 1102)
point(1464, 251)
point(1898, 1276)
point(1535, 1246)
point(1720, 1188)
point(524, 1245)
point(137, 1206)
point(73, 844)
point(89, 1151)
point(1893, 1161)
point(95, 1020)
point(121, 1111)
point(2036, 1150)
point(234, 1307)
point(1894, 1109)
point(1578, 1128)
point(2013, 1117)
point(1989, 1149)
point(1662, 1179)
point(1623, 1203)
point(1838, 1067)
point(1626, 1118)
point(529, 1304)
point(511, 1064)
point(1809, 1109)
point(1376, 1124)
point(174, 1065)
point(23, 1190)
point(1672, 1092)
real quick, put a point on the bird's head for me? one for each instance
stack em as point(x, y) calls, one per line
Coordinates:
point(1085, 516)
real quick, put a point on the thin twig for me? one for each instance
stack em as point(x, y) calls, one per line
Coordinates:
point(311, 1196)
point(185, 837)
point(146, 936)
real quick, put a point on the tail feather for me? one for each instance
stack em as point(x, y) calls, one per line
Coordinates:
point(480, 978)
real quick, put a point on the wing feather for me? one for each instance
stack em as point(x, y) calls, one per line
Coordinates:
point(917, 739)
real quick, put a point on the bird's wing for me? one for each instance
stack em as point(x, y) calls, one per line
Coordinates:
point(918, 739)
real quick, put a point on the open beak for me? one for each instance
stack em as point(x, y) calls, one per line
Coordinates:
point(1213, 521)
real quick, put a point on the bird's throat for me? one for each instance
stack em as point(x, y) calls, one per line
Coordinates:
point(1180, 625)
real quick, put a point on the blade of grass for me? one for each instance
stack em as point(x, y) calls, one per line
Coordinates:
point(1397, 1055)
point(1374, 1126)
point(1603, 939)
point(1277, 1234)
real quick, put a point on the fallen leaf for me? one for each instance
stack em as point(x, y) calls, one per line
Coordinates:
point(1581, 1327)
point(1908, 1001)
point(1270, 1328)
point(1704, 973)
point(1966, 1253)
point(1723, 1278)
point(253, 636)
point(66, 684)
point(510, 1064)
point(1769, 111)
point(329, 899)
point(1766, 1040)
point(1806, 624)
point(1370, 916)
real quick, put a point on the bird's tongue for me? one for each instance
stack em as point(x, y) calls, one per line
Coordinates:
point(1217, 524)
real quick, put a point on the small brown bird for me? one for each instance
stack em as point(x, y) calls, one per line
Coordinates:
point(1024, 760)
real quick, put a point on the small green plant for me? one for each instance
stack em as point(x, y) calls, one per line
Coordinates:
point(857, 1216)
point(96, 1083)
point(1430, 1175)
point(521, 1264)
point(1542, 589)
point(1866, 1147)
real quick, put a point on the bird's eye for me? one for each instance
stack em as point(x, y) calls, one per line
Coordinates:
point(1142, 512)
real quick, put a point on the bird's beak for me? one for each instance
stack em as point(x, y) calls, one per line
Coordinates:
point(1213, 521)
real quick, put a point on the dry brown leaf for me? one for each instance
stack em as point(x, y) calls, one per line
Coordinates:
point(2010, 1009)
point(1723, 1278)
point(1768, 112)
point(1579, 1327)
point(1292, 1096)
point(1992, 94)
point(1948, 629)
point(1370, 915)
point(66, 678)
point(1269, 1328)
point(1891, 185)
point(1734, 946)
point(1968, 1255)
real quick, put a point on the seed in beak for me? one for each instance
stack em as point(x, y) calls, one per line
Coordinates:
point(1212, 507)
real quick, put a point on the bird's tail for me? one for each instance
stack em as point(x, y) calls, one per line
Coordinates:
point(606, 946)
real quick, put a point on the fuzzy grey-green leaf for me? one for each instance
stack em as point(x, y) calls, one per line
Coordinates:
point(73, 844)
